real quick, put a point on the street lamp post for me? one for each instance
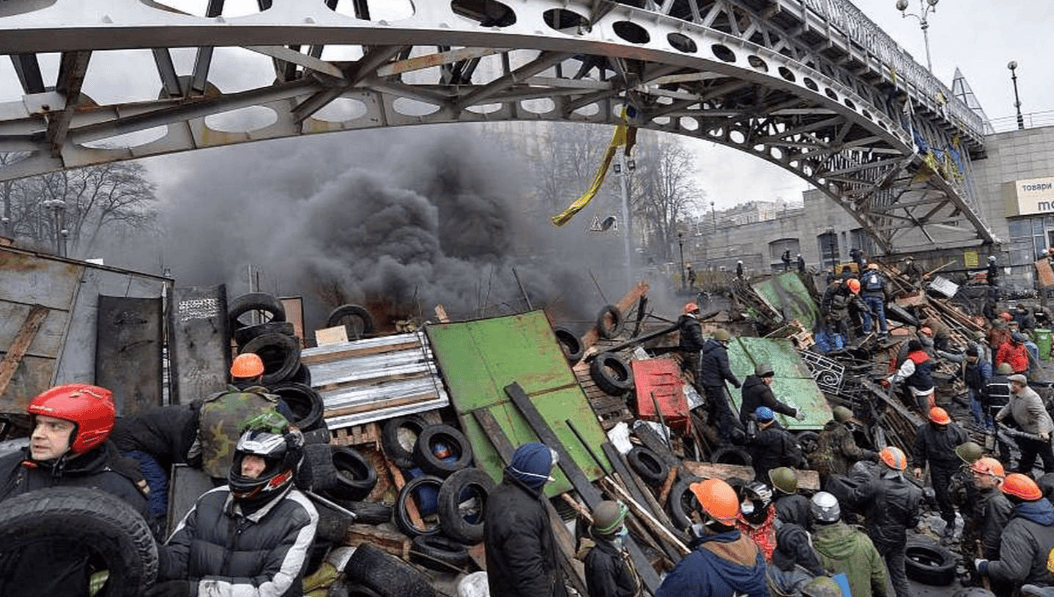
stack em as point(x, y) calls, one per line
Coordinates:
point(925, 8)
point(713, 211)
point(680, 247)
point(1012, 65)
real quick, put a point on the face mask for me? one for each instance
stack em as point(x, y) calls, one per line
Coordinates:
point(620, 538)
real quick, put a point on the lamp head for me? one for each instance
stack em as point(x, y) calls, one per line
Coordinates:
point(902, 5)
point(1012, 64)
point(932, 3)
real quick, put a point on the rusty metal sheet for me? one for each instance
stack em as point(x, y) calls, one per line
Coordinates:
point(198, 343)
point(48, 340)
point(794, 384)
point(30, 278)
point(128, 351)
point(659, 380)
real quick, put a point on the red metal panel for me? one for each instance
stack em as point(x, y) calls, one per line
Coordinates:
point(661, 379)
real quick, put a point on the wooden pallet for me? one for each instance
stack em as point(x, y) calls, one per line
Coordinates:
point(358, 435)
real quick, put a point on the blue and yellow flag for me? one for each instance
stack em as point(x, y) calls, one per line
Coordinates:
point(624, 135)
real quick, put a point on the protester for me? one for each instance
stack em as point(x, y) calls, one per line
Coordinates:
point(1027, 410)
point(935, 443)
point(609, 569)
point(846, 549)
point(757, 391)
point(714, 371)
point(1027, 539)
point(836, 449)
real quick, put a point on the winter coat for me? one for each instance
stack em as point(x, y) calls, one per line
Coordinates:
point(873, 284)
point(1027, 409)
point(916, 371)
point(224, 552)
point(758, 393)
point(713, 366)
point(836, 450)
point(995, 510)
point(976, 375)
point(1014, 354)
point(166, 433)
point(937, 446)
point(794, 509)
point(793, 547)
point(719, 566)
point(773, 447)
point(221, 419)
point(691, 334)
point(520, 549)
point(60, 570)
point(1027, 541)
point(844, 548)
point(609, 572)
point(891, 506)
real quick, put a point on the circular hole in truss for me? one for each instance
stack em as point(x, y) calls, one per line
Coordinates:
point(198, 8)
point(129, 139)
point(758, 63)
point(810, 84)
point(866, 114)
point(484, 108)
point(682, 43)
point(724, 53)
point(661, 120)
point(341, 109)
point(718, 132)
point(242, 120)
point(821, 181)
point(565, 21)
point(389, 10)
point(794, 164)
point(776, 153)
point(806, 170)
point(689, 123)
point(787, 74)
point(759, 148)
point(830, 93)
point(542, 105)
point(489, 13)
point(631, 32)
point(849, 104)
point(883, 125)
point(737, 137)
point(412, 107)
point(588, 110)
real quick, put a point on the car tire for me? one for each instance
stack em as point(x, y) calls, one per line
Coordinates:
point(808, 441)
point(254, 301)
point(439, 553)
point(609, 328)
point(398, 438)
point(112, 529)
point(355, 476)
point(386, 574)
point(356, 319)
point(244, 335)
point(569, 344)
point(732, 455)
point(402, 514)
point(305, 404)
point(682, 502)
point(929, 563)
point(280, 355)
point(647, 464)
point(454, 440)
point(458, 519)
point(611, 373)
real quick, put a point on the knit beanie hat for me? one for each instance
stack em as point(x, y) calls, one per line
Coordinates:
point(531, 464)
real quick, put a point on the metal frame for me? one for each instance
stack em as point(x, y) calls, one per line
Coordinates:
point(808, 85)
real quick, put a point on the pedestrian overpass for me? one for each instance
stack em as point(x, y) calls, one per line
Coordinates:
point(812, 86)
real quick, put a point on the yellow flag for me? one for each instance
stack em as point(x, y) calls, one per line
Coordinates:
point(624, 135)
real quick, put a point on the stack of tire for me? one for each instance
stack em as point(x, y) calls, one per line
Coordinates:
point(273, 339)
point(449, 495)
point(611, 372)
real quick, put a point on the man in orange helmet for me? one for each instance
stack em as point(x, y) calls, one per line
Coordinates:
point(1027, 538)
point(223, 414)
point(891, 506)
point(68, 447)
point(991, 510)
point(935, 443)
point(723, 561)
point(690, 339)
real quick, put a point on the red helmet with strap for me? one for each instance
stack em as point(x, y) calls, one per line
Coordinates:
point(90, 407)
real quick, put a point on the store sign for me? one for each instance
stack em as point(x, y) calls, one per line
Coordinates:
point(1027, 197)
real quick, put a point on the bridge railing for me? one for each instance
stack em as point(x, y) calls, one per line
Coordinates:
point(854, 24)
point(1031, 120)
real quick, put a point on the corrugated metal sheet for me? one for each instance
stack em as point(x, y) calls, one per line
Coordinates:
point(375, 379)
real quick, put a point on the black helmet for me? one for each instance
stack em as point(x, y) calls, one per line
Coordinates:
point(754, 500)
point(270, 437)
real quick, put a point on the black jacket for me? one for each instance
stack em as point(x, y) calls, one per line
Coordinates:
point(608, 573)
point(265, 552)
point(520, 548)
point(713, 366)
point(691, 333)
point(1026, 542)
point(995, 512)
point(937, 446)
point(773, 447)
point(165, 433)
point(38, 570)
point(758, 393)
point(891, 506)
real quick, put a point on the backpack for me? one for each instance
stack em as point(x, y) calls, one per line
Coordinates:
point(873, 282)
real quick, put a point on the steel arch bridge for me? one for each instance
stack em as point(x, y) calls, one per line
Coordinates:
point(812, 86)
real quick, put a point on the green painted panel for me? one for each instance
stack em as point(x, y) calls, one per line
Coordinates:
point(788, 295)
point(477, 359)
point(793, 384)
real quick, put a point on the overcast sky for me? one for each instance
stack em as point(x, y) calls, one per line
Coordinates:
point(977, 36)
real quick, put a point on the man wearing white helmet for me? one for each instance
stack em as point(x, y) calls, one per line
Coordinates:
point(844, 548)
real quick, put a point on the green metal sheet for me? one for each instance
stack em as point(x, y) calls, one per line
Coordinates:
point(788, 294)
point(793, 384)
point(477, 359)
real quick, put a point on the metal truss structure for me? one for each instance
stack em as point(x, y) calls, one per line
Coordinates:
point(812, 86)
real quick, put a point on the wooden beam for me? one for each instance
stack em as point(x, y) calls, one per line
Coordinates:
point(20, 345)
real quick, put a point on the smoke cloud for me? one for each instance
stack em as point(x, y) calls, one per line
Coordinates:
point(398, 221)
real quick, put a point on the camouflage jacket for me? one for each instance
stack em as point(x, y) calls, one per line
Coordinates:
point(220, 422)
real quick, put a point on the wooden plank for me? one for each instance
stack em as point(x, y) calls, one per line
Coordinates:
point(590, 338)
point(411, 506)
point(564, 541)
point(390, 541)
point(379, 404)
point(357, 351)
point(642, 495)
point(589, 493)
point(20, 345)
point(809, 480)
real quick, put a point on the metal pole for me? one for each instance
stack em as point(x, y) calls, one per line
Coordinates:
point(680, 247)
point(623, 172)
point(1017, 100)
point(926, 40)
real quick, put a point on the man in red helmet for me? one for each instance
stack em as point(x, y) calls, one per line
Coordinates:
point(67, 448)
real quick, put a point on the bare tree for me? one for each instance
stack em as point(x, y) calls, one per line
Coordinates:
point(663, 190)
point(114, 198)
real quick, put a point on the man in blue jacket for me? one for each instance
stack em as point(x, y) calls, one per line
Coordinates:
point(723, 561)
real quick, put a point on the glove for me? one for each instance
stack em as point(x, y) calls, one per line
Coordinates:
point(870, 455)
point(169, 588)
point(800, 415)
point(1044, 436)
point(982, 566)
point(918, 472)
point(696, 531)
point(885, 383)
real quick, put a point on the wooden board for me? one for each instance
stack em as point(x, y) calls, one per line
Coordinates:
point(809, 480)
